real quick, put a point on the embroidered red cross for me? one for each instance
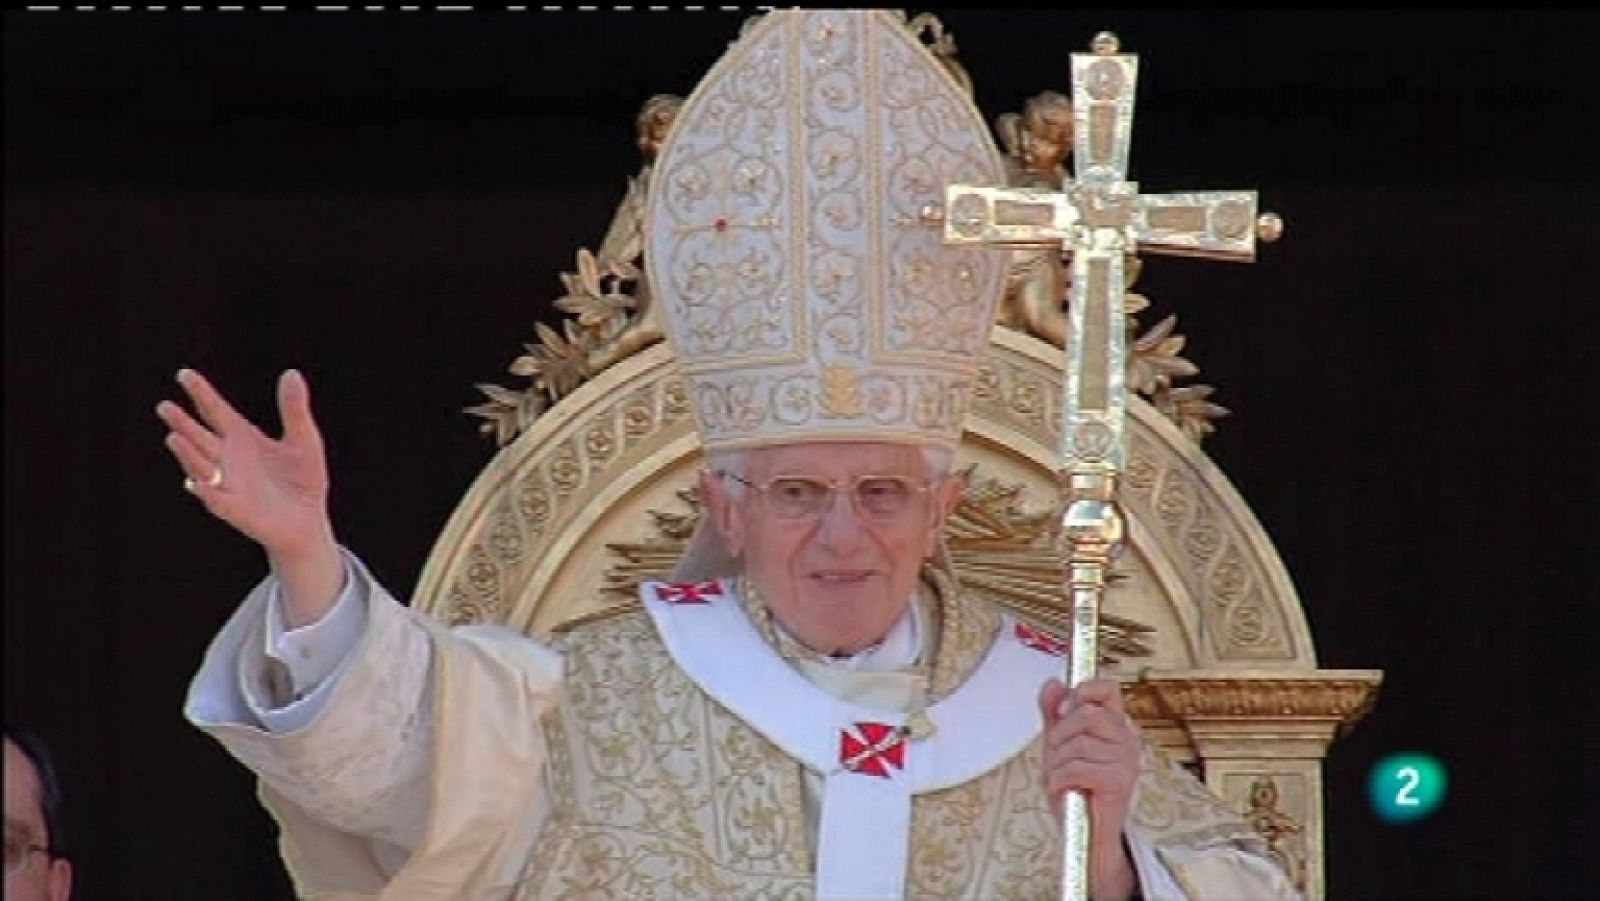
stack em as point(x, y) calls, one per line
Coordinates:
point(689, 592)
point(1040, 641)
point(873, 749)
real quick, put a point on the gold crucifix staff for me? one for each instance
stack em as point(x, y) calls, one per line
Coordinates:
point(1099, 219)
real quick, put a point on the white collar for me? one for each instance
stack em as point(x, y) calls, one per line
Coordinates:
point(898, 650)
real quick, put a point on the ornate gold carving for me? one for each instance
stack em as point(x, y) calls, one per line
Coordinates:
point(1189, 408)
point(459, 610)
point(483, 578)
point(556, 364)
point(1266, 696)
point(1142, 472)
point(638, 418)
point(533, 501)
point(607, 294)
point(1173, 502)
point(674, 402)
point(541, 499)
point(1140, 702)
point(1284, 836)
point(1228, 578)
point(1201, 538)
point(600, 443)
point(565, 473)
point(506, 538)
point(1246, 625)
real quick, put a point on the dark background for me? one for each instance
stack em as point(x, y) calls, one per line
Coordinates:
point(385, 200)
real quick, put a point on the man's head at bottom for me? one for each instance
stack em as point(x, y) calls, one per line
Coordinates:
point(36, 868)
point(833, 535)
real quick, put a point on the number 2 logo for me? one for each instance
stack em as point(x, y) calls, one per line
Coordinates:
point(1405, 788)
point(1410, 776)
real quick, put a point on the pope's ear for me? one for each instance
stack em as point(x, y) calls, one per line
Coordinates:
point(946, 497)
point(719, 507)
point(950, 494)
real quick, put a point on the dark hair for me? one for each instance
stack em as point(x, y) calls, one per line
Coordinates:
point(51, 802)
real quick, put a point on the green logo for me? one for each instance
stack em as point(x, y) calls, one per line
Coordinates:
point(1407, 787)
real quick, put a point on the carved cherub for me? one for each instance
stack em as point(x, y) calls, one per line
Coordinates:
point(1037, 142)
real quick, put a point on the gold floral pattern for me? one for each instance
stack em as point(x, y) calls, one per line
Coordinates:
point(657, 790)
point(1171, 801)
point(841, 391)
point(848, 127)
point(662, 793)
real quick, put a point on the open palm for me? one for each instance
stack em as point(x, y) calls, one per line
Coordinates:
point(273, 490)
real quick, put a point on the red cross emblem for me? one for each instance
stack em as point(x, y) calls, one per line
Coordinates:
point(689, 592)
point(1039, 641)
point(872, 749)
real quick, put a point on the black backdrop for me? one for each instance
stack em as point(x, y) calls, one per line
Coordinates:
point(385, 200)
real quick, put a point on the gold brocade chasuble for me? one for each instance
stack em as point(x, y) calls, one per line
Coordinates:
point(659, 791)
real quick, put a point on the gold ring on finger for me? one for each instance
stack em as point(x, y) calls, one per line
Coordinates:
point(215, 481)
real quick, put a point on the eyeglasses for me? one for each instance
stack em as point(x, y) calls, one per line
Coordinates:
point(17, 851)
point(801, 498)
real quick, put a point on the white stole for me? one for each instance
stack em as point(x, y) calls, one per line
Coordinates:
point(870, 769)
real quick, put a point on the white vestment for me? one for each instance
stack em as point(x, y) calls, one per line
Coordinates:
point(404, 759)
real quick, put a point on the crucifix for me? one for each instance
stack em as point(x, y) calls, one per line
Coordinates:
point(1098, 219)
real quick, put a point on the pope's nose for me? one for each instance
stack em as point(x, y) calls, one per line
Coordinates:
point(840, 524)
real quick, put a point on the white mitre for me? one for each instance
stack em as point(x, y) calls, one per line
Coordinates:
point(804, 291)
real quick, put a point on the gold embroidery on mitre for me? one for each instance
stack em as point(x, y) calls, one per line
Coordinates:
point(841, 391)
point(803, 293)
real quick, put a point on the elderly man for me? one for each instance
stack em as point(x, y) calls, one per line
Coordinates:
point(810, 706)
point(36, 865)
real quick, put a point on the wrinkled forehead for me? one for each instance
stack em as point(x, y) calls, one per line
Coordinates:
point(838, 459)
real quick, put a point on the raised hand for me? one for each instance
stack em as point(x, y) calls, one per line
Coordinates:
point(273, 490)
point(1091, 745)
